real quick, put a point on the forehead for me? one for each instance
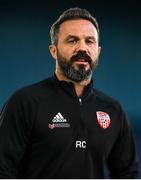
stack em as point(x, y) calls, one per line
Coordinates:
point(80, 27)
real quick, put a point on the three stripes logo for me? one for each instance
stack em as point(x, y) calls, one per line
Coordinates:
point(59, 118)
point(59, 122)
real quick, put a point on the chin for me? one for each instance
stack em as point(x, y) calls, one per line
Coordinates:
point(82, 66)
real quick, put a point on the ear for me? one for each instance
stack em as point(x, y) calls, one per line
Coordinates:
point(53, 51)
point(99, 50)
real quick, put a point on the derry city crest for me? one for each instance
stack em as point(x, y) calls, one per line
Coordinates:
point(103, 119)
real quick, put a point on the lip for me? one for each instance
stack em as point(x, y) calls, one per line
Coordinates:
point(81, 62)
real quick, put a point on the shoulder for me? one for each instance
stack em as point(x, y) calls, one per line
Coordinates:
point(33, 93)
point(103, 97)
point(38, 87)
point(107, 101)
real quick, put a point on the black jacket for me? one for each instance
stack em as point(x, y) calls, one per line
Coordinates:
point(46, 131)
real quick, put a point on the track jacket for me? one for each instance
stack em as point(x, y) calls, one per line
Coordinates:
point(46, 131)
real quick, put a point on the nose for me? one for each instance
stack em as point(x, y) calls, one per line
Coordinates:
point(82, 46)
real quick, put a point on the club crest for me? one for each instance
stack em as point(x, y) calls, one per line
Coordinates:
point(103, 119)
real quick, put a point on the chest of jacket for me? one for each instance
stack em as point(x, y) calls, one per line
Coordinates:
point(63, 121)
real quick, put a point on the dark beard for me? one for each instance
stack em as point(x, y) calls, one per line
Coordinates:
point(80, 73)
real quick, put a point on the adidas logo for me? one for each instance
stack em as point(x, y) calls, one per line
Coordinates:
point(58, 122)
point(59, 118)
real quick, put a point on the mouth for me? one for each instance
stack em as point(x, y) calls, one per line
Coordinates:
point(81, 61)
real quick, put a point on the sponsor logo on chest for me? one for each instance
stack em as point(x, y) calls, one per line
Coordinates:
point(58, 122)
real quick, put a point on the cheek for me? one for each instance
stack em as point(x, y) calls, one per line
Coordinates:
point(65, 49)
point(66, 53)
point(95, 55)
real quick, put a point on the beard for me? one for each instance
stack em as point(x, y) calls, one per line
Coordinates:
point(79, 72)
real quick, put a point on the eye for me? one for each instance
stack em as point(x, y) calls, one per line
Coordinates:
point(72, 41)
point(90, 41)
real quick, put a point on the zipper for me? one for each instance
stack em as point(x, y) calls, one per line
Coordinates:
point(80, 101)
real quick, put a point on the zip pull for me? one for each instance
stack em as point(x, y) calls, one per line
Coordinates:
point(80, 101)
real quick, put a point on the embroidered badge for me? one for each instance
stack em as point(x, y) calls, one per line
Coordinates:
point(103, 119)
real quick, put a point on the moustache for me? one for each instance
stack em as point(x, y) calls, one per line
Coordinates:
point(80, 56)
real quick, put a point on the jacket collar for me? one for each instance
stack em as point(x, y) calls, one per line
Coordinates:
point(69, 87)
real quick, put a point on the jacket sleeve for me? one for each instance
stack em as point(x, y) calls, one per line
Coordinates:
point(122, 161)
point(14, 135)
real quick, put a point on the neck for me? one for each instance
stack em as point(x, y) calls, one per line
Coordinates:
point(79, 86)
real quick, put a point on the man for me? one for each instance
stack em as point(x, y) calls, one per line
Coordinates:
point(62, 127)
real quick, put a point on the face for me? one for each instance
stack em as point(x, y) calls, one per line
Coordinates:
point(77, 50)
